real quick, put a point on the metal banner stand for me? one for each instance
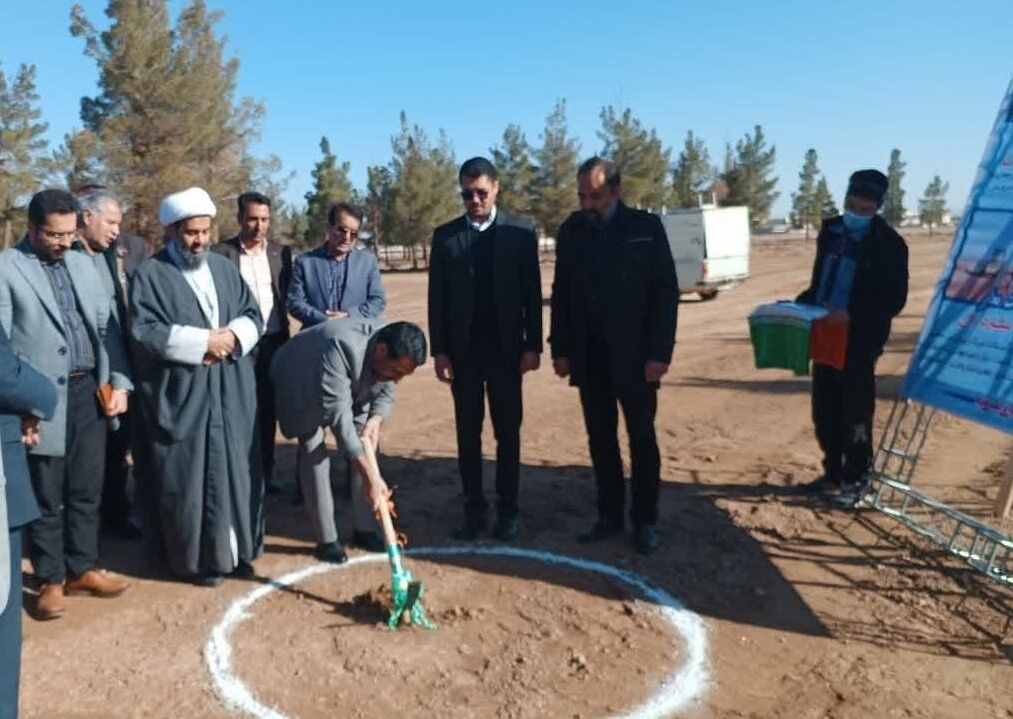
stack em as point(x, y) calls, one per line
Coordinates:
point(984, 548)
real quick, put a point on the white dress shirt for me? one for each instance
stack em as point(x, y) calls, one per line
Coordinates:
point(256, 272)
point(483, 226)
point(188, 344)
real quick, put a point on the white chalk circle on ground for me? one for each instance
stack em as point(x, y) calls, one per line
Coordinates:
point(677, 690)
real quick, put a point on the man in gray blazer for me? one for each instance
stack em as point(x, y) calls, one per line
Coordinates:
point(58, 318)
point(342, 375)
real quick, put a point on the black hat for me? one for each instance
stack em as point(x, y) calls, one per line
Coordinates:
point(870, 184)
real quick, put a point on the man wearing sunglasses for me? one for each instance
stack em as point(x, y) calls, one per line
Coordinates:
point(485, 327)
point(335, 280)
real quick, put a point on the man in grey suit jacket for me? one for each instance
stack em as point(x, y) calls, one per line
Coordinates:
point(336, 280)
point(26, 396)
point(58, 318)
point(342, 375)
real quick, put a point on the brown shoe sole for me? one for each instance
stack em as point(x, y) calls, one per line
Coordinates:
point(49, 614)
point(83, 592)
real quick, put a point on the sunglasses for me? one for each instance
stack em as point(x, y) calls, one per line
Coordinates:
point(468, 194)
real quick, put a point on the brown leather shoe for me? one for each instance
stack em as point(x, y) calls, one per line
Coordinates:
point(50, 604)
point(98, 583)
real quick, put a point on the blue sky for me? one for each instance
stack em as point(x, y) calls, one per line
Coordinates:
point(851, 79)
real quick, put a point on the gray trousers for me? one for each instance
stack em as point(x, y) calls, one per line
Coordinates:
point(315, 477)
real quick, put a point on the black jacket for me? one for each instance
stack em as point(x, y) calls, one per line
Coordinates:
point(641, 289)
point(279, 259)
point(879, 292)
point(517, 287)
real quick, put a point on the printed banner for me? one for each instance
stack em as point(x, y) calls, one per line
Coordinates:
point(963, 360)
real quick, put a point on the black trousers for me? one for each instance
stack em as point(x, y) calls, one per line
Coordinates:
point(69, 489)
point(115, 503)
point(482, 371)
point(267, 417)
point(601, 418)
point(843, 403)
point(10, 633)
point(601, 403)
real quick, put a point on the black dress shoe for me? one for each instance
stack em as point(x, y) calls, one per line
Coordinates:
point(331, 552)
point(469, 531)
point(506, 529)
point(824, 484)
point(208, 580)
point(121, 529)
point(602, 529)
point(645, 539)
point(370, 541)
point(243, 570)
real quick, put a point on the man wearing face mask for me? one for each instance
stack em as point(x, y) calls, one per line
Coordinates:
point(861, 276)
point(615, 297)
point(194, 322)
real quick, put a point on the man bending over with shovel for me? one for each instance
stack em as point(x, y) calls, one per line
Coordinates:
point(342, 374)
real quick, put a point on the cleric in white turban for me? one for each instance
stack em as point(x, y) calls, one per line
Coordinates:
point(194, 323)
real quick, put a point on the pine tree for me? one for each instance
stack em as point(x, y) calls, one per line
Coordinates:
point(424, 188)
point(824, 201)
point(330, 185)
point(165, 116)
point(22, 150)
point(76, 162)
point(692, 173)
point(748, 176)
point(639, 156)
point(932, 206)
point(512, 158)
point(893, 203)
point(377, 205)
point(556, 176)
point(806, 209)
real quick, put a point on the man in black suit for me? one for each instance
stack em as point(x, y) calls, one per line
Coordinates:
point(116, 256)
point(266, 267)
point(614, 302)
point(485, 326)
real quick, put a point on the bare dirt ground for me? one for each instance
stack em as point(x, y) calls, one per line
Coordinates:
point(811, 611)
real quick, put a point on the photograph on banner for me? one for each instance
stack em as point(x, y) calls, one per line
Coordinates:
point(964, 357)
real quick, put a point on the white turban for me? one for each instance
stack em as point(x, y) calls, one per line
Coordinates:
point(185, 204)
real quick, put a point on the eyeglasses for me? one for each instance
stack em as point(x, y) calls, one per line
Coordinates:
point(345, 232)
point(468, 194)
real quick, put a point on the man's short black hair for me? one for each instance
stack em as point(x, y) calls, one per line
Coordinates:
point(870, 184)
point(477, 167)
point(612, 177)
point(345, 207)
point(252, 198)
point(404, 339)
point(50, 202)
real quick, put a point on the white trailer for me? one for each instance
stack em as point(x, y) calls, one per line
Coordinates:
point(710, 246)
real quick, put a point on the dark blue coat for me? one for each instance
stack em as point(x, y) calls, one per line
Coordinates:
point(24, 391)
point(309, 289)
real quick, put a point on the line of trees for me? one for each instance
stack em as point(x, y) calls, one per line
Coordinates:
point(813, 202)
point(166, 116)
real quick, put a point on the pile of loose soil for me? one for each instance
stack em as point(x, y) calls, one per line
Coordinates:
point(515, 639)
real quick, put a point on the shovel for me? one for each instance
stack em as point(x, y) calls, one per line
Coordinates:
point(406, 592)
